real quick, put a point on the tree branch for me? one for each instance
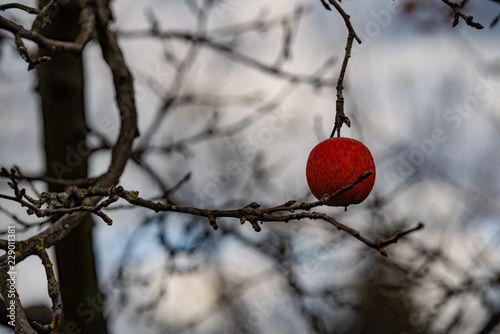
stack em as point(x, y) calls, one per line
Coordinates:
point(124, 95)
point(54, 294)
point(251, 213)
point(87, 19)
point(27, 9)
point(340, 117)
point(231, 53)
point(458, 13)
point(122, 150)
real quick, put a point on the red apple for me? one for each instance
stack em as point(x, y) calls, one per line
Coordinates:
point(337, 162)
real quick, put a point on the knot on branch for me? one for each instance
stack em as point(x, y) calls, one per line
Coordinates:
point(340, 119)
point(251, 213)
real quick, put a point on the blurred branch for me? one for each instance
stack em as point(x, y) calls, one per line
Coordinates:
point(180, 75)
point(230, 52)
point(325, 4)
point(14, 218)
point(398, 235)
point(27, 9)
point(491, 324)
point(211, 130)
point(495, 21)
point(260, 23)
point(211, 39)
point(289, 27)
point(177, 186)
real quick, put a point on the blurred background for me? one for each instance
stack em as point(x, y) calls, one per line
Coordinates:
point(229, 117)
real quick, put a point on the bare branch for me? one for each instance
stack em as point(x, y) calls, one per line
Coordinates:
point(54, 294)
point(458, 13)
point(87, 20)
point(251, 213)
point(255, 215)
point(231, 53)
point(55, 202)
point(340, 117)
point(26, 56)
point(124, 92)
point(27, 9)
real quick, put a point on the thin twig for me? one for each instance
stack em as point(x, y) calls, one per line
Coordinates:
point(458, 13)
point(176, 187)
point(96, 209)
point(33, 188)
point(340, 117)
point(87, 20)
point(230, 52)
point(27, 9)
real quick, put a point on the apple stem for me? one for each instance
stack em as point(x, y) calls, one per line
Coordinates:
point(340, 117)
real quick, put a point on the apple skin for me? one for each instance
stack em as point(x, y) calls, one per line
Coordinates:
point(337, 162)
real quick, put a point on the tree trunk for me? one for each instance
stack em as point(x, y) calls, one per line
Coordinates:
point(61, 88)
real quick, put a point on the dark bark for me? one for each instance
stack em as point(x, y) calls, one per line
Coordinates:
point(61, 88)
